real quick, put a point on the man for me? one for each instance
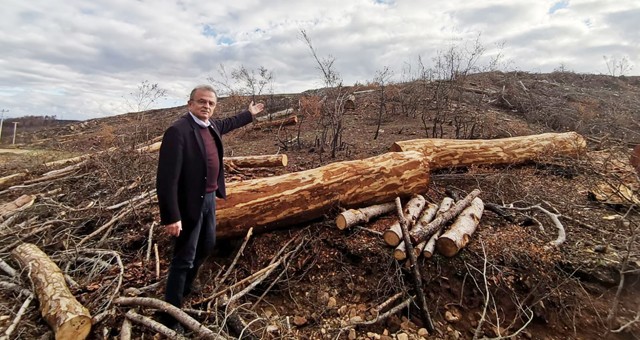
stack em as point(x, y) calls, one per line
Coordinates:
point(190, 176)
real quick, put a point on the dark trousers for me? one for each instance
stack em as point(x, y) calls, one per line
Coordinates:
point(192, 247)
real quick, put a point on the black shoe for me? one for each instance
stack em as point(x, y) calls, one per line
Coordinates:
point(194, 289)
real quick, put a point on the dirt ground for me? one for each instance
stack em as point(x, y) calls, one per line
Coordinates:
point(333, 284)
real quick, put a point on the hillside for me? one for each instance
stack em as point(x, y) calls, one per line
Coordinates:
point(329, 283)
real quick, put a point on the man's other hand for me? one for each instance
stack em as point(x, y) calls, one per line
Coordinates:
point(174, 228)
point(255, 108)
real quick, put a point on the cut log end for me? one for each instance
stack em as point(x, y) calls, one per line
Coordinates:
point(446, 247)
point(75, 328)
point(285, 160)
point(391, 238)
point(341, 222)
point(399, 254)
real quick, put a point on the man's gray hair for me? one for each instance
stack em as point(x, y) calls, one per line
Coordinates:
point(202, 87)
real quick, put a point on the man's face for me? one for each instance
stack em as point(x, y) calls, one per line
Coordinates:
point(202, 104)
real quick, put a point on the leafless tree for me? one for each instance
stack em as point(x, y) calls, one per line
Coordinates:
point(332, 112)
point(382, 79)
point(144, 95)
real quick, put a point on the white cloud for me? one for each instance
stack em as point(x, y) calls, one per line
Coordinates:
point(77, 59)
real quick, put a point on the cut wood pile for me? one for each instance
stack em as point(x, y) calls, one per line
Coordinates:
point(446, 226)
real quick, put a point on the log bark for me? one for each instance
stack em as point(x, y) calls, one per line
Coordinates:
point(293, 120)
point(459, 234)
point(446, 153)
point(12, 178)
point(425, 217)
point(272, 116)
point(430, 245)
point(425, 232)
point(393, 235)
point(353, 217)
point(261, 161)
point(18, 204)
point(295, 198)
point(66, 316)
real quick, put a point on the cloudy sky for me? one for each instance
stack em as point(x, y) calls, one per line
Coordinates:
point(80, 59)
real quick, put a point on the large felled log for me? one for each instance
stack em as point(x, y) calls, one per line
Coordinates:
point(68, 318)
point(425, 232)
point(273, 202)
point(393, 235)
point(353, 217)
point(293, 120)
point(18, 204)
point(12, 178)
point(260, 161)
point(445, 153)
point(459, 234)
point(272, 116)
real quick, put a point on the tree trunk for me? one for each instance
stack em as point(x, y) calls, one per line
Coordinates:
point(20, 203)
point(353, 217)
point(12, 178)
point(459, 234)
point(261, 161)
point(295, 198)
point(425, 232)
point(393, 235)
point(272, 116)
point(68, 318)
point(445, 153)
point(293, 120)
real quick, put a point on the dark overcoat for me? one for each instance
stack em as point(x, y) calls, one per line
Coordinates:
point(182, 167)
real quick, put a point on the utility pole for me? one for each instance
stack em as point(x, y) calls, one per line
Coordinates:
point(15, 127)
point(2, 121)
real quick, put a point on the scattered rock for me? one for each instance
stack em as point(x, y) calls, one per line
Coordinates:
point(453, 315)
point(352, 334)
point(299, 320)
point(332, 302)
point(372, 335)
point(423, 332)
point(355, 319)
point(273, 329)
point(402, 336)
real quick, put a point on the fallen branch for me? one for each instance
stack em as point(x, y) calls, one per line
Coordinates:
point(240, 252)
point(555, 218)
point(174, 311)
point(353, 217)
point(404, 224)
point(7, 268)
point(125, 329)
point(392, 311)
point(153, 325)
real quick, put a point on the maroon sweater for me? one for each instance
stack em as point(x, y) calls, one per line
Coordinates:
point(213, 164)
